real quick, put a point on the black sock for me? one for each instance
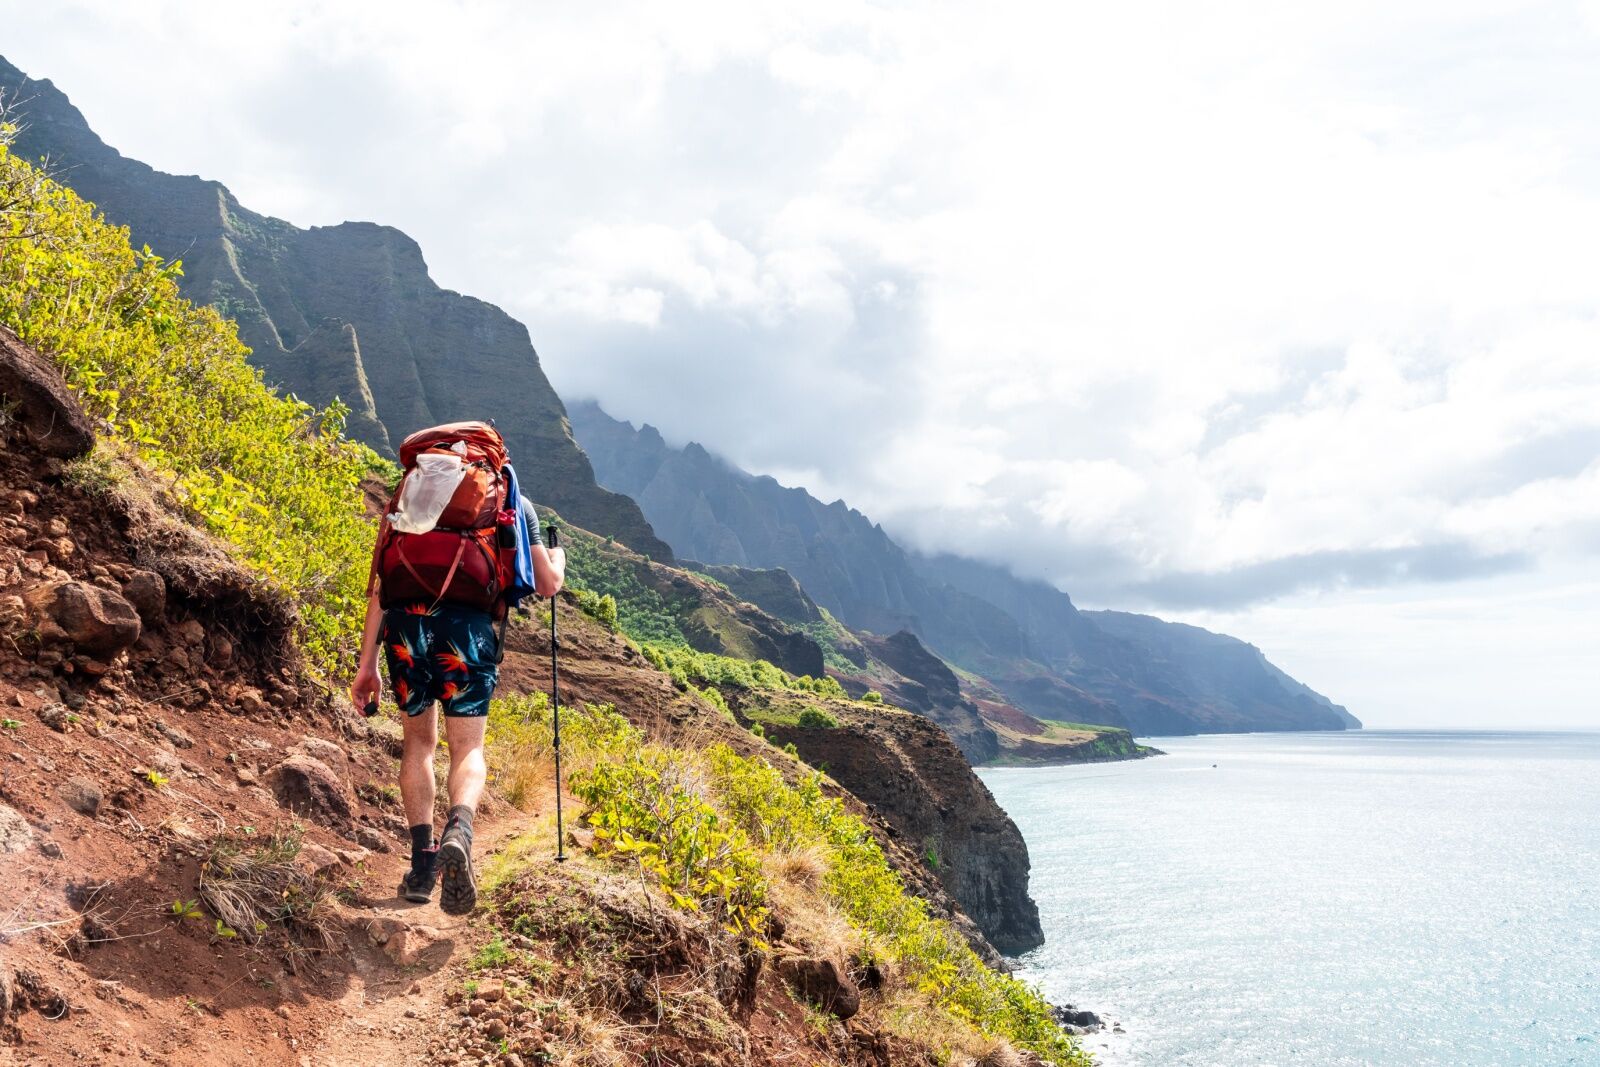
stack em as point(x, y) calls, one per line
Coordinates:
point(421, 845)
point(462, 815)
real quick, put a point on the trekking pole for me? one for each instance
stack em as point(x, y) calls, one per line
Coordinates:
point(553, 541)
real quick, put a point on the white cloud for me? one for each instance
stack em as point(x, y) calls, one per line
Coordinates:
point(1161, 301)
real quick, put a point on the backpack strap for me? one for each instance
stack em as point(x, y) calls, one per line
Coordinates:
point(373, 579)
point(461, 549)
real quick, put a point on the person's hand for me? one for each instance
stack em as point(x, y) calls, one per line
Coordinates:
point(365, 689)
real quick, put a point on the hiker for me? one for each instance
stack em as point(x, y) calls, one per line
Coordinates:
point(456, 549)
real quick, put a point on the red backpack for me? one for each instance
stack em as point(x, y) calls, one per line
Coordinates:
point(466, 556)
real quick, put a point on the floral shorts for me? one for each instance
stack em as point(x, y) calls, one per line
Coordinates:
point(446, 653)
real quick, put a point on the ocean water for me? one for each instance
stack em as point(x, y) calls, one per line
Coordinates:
point(1389, 898)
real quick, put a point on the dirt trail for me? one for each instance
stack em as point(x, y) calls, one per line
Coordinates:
point(410, 960)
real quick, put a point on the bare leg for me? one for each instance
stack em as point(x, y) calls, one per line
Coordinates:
point(467, 770)
point(416, 765)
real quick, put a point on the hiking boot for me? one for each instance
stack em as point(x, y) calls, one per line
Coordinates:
point(417, 884)
point(458, 892)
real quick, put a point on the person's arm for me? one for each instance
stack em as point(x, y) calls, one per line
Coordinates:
point(549, 564)
point(549, 570)
point(367, 685)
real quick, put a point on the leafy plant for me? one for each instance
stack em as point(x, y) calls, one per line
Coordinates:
point(11, 724)
point(814, 718)
point(872, 696)
point(493, 954)
point(156, 779)
point(644, 808)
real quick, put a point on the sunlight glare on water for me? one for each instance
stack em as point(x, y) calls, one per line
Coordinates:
point(1381, 898)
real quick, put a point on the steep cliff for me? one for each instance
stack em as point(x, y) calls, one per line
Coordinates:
point(1238, 687)
point(909, 772)
point(346, 311)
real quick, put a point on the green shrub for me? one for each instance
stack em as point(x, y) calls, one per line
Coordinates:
point(814, 718)
point(708, 668)
point(645, 807)
point(872, 696)
point(826, 686)
point(601, 608)
point(266, 472)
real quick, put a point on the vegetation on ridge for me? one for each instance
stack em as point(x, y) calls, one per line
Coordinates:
point(170, 381)
point(715, 832)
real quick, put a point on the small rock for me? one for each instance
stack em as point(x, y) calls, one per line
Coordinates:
point(496, 1029)
point(15, 833)
point(56, 716)
point(317, 859)
point(353, 856)
point(49, 848)
point(81, 794)
point(94, 668)
point(175, 735)
point(823, 982)
point(251, 702)
point(478, 1006)
point(147, 592)
point(190, 632)
point(326, 751)
point(1088, 1021)
point(367, 837)
point(221, 651)
point(381, 929)
point(245, 775)
point(57, 527)
point(491, 989)
point(97, 621)
point(307, 787)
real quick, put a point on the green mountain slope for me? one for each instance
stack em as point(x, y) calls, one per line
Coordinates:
point(1025, 638)
point(346, 311)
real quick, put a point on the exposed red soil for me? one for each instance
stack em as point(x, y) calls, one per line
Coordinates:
point(1009, 716)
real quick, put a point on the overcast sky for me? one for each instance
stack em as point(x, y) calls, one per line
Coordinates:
point(1278, 318)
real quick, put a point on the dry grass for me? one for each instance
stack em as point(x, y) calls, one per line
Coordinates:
point(905, 1014)
point(1001, 1054)
point(254, 886)
point(804, 867)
